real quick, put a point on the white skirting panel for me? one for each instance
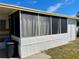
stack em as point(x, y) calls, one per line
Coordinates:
point(33, 45)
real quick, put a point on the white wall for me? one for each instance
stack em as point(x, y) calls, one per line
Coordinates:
point(72, 29)
point(32, 45)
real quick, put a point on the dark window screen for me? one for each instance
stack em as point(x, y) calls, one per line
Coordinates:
point(32, 27)
point(15, 24)
point(11, 24)
point(55, 25)
point(63, 25)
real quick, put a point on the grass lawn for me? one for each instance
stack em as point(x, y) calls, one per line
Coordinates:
point(69, 51)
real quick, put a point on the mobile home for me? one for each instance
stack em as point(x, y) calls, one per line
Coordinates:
point(35, 30)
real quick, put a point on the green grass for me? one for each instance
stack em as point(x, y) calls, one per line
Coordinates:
point(69, 51)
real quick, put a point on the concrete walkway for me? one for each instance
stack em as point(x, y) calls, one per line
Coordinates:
point(39, 56)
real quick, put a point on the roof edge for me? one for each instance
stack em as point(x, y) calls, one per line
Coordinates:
point(34, 10)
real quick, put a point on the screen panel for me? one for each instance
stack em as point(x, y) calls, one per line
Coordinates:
point(55, 25)
point(63, 25)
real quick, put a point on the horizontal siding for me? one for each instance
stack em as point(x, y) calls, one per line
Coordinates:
point(30, 46)
point(39, 39)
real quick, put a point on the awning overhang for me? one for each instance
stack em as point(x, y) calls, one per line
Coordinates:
point(7, 8)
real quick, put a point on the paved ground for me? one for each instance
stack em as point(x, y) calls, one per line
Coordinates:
point(39, 56)
point(36, 56)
